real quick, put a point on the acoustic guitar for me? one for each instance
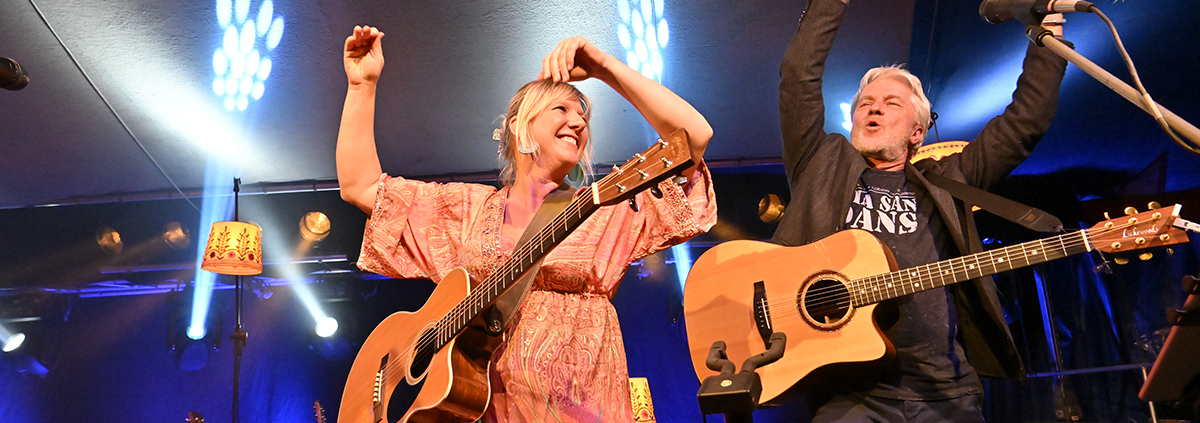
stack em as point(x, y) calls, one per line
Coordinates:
point(823, 295)
point(432, 365)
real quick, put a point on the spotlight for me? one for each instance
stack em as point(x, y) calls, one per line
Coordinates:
point(109, 240)
point(193, 354)
point(326, 327)
point(196, 332)
point(770, 208)
point(314, 226)
point(191, 345)
point(176, 236)
point(14, 341)
point(261, 289)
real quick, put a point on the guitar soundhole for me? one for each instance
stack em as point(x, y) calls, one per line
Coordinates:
point(404, 395)
point(423, 354)
point(824, 301)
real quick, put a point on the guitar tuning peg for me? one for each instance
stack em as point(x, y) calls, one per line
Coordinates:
point(1130, 211)
point(1106, 216)
point(1154, 205)
point(1120, 260)
point(1145, 256)
point(657, 193)
point(633, 204)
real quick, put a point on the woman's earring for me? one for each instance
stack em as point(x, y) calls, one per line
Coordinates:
point(526, 148)
point(575, 176)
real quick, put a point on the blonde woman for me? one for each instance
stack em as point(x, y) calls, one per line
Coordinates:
point(563, 357)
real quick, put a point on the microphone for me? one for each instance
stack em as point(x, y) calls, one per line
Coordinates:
point(12, 76)
point(1030, 12)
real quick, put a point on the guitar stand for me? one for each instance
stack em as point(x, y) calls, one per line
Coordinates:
point(736, 394)
point(1173, 377)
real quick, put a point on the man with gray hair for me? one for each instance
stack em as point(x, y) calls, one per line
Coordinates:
point(944, 338)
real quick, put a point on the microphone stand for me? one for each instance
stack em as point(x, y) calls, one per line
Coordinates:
point(1043, 37)
point(239, 333)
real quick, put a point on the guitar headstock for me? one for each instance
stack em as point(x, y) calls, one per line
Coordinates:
point(1137, 231)
point(195, 417)
point(665, 158)
point(318, 412)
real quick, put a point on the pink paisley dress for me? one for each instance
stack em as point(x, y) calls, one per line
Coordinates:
point(564, 358)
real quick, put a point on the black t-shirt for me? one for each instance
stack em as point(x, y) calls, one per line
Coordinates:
point(930, 363)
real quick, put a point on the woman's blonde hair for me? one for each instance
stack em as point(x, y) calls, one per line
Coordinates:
point(532, 99)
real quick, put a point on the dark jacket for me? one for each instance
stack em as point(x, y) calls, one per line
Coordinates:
point(823, 169)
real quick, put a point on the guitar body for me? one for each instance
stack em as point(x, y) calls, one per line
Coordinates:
point(741, 292)
point(452, 386)
point(719, 305)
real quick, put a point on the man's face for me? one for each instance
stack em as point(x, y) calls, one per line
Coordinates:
point(885, 121)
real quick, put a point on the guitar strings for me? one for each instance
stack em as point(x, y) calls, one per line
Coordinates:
point(490, 284)
point(843, 296)
point(894, 281)
point(458, 315)
point(440, 333)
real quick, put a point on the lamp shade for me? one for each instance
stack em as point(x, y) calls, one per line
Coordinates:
point(234, 248)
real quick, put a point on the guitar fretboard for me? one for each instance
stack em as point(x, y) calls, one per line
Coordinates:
point(525, 256)
point(873, 289)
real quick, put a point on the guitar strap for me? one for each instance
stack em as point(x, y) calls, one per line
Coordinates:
point(1021, 214)
point(501, 313)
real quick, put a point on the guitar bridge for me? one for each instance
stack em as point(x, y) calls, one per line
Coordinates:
point(377, 396)
point(762, 314)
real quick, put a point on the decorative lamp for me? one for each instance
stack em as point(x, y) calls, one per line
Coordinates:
point(234, 248)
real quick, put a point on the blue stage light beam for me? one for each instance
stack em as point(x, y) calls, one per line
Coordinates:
point(324, 325)
point(683, 262)
point(972, 96)
point(217, 207)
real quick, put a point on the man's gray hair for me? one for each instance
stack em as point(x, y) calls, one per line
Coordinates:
point(920, 102)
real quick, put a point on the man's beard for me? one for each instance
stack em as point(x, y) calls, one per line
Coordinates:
point(889, 149)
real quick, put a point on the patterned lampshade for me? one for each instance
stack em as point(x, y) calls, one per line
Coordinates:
point(234, 248)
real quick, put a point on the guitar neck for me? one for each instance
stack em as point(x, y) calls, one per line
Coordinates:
point(522, 259)
point(873, 289)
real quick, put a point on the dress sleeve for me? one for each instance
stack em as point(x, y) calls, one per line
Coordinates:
point(416, 229)
point(682, 213)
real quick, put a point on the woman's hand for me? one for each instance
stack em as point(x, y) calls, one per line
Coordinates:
point(575, 59)
point(363, 55)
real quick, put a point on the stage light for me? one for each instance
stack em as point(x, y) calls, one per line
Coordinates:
point(192, 345)
point(643, 33)
point(261, 289)
point(326, 327)
point(243, 61)
point(109, 240)
point(314, 226)
point(770, 208)
point(196, 332)
point(193, 354)
point(846, 116)
point(12, 341)
point(176, 236)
